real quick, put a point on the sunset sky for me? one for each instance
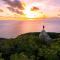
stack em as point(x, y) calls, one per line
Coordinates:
point(15, 9)
point(24, 16)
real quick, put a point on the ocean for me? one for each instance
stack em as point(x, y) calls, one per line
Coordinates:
point(13, 28)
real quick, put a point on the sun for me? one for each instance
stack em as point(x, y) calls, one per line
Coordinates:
point(33, 11)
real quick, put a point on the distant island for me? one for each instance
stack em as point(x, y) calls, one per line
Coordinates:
point(29, 47)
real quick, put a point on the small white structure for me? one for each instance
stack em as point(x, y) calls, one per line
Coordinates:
point(44, 37)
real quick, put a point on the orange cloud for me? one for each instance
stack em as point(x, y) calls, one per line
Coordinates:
point(34, 8)
point(1, 10)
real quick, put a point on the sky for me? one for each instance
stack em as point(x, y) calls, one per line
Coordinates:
point(24, 16)
point(14, 8)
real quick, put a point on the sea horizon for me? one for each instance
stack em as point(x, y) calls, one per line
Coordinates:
point(13, 28)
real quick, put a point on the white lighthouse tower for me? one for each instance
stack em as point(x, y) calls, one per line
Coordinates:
point(44, 37)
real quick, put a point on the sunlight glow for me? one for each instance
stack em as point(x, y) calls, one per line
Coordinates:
point(35, 13)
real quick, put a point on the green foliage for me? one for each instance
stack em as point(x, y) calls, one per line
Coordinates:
point(1, 56)
point(1, 59)
point(29, 47)
point(20, 56)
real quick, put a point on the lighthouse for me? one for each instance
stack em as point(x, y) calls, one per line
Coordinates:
point(44, 37)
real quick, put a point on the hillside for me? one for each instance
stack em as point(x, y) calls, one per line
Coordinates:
point(29, 47)
point(53, 35)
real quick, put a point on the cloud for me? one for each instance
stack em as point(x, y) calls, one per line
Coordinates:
point(14, 3)
point(59, 13)
point(15, 10)
point(1, 10)
point(50, 7)
point(15, 6)
point(34, 8)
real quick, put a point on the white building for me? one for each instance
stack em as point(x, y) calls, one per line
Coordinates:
point(44, 37)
